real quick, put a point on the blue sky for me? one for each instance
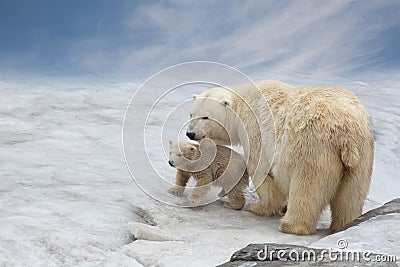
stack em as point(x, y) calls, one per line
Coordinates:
point(138, 38)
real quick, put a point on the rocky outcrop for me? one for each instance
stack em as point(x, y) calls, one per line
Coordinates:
point(392, 206)
point(271, 254)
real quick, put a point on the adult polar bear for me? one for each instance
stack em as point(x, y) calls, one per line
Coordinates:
point(307, 147)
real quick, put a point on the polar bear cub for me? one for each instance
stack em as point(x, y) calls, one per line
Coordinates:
point(226, 169)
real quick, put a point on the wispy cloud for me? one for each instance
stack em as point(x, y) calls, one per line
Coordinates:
point(301, 36)
point(311, 37)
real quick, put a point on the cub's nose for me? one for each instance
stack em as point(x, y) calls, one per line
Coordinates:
point(171, 162)
point(191, 135)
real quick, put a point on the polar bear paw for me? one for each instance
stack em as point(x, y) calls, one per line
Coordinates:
point(176, 190)
point(222, 193)
point(261, 210)
point(234, 205)
point(298, 228)
point(195, 199)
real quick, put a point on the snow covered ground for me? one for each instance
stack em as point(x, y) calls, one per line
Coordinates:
point(66, 196)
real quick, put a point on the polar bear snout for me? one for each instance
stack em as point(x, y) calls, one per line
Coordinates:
point(194, 136)
point(171, 162)
point(191, 135)
point(196, 127)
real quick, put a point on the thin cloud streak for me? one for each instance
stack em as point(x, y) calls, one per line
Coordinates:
point(309, 37)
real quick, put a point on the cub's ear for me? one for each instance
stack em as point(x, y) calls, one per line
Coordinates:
point(195, 96)
point(226, 102)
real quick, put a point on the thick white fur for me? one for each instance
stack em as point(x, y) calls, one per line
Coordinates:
point(306, 147)
point(227, 170)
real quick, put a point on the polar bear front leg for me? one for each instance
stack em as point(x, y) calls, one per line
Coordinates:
point(201, 189)
point(271, 199)
point(181, 180)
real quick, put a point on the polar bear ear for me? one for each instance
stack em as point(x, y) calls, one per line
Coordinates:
point(195, 96)
point(226, 102)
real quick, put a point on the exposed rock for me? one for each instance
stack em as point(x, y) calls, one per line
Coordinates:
point(292, 255)
point(392, 206)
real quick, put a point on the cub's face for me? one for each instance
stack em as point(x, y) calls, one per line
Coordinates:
point(181, 154)
point(208, 116)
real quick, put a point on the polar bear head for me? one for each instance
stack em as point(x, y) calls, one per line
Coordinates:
point(208, 116)
point(191, 157)
point(180, 153)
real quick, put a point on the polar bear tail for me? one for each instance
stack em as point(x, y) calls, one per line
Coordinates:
point(350, 154)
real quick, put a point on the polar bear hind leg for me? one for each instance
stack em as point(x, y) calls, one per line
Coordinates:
point(312, 186)
point(348, 201)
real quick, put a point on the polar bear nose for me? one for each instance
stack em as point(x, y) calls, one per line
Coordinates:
point(171, 162)
point(191, 135)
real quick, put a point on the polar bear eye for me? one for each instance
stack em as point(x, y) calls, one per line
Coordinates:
point(191, 115)
point(179, 155)
point(205, 118)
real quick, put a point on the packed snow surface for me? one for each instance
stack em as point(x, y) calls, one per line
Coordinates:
point(67, 198)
